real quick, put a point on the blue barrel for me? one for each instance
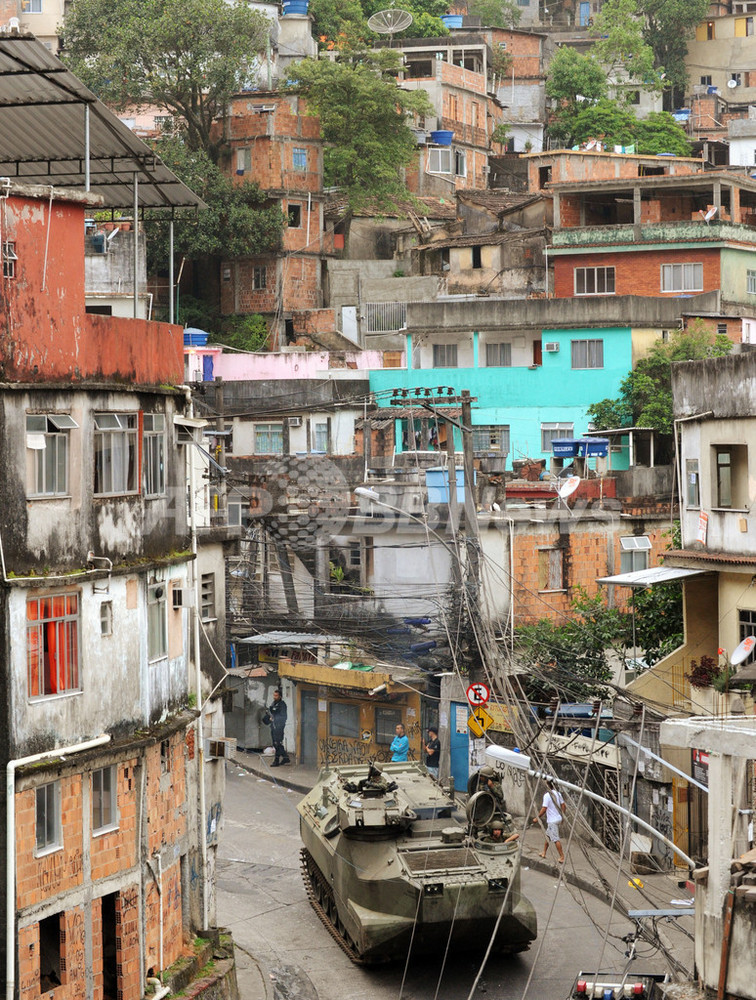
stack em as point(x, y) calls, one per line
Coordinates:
point(295, 6)
point(442, 137)
point(452, 20)
point(194, 337)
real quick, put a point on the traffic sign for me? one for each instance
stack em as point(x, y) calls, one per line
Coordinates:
point(479, 721)
point(478, 694)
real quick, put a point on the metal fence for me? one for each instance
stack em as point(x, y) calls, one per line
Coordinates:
point(385, 317)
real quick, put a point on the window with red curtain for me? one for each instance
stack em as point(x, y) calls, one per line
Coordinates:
point(52, 643)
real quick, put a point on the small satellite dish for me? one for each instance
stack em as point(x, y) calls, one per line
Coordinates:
point(744, 650)
point(388, 22)
point(732, 84)
point(569, 486)
point(711, 213)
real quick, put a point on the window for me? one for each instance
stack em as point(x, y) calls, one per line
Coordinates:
point(682, 277)
point(355, 555)
point(460, 163)
point(116, 456)
point(444, 355)
point(706, 81)
point(165, 756)
point(295, 216)
point(747, 626)
point(259, 278)
point(47, 438)
point(9, 260)
point(157, 622)
point(692, 484)
point(207, 594)
point(49, 965)
point(386, 721)
point(491, 439)
point(269, 439)
point(544, 176)
point(32, 6)
point(550, 569)
point(498, 355)
point(299, 158)
point(552, 431)
point(751, 282)
point(52, 644)
point(321, 436)
point(243, 160)
point(722, 329)
point(154, 454)
point(439, 160)
point(736, 78)
point(634, 551)
point(477, 258)
point(731, 482)
point(104, 800)
point(587, 353)
point(106, 618)
point(594, 281)
point(49, 834)
point(344, 720)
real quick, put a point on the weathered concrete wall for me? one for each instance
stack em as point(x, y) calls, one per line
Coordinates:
point(725, 386)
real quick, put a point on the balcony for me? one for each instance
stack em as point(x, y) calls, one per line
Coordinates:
point(657, 232)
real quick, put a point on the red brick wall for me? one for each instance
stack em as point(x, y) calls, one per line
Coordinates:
point(38, 879)
point(166, 795)
point(72, 959)
point(116, 850)
point(636, 273)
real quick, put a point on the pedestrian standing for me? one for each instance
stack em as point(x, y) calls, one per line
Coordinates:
point(277, 720)
point(433, 752)
point(399, 745)
point(553, 808)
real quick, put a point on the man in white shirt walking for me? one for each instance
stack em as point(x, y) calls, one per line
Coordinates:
point(553, 808)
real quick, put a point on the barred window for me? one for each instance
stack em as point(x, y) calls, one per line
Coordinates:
point(491, 438)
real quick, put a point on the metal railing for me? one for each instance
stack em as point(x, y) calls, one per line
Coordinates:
point(385, 317)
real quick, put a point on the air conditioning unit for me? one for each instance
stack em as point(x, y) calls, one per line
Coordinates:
point(295, 421)
point(222, 748)
point(183, 597)
point(551, 347)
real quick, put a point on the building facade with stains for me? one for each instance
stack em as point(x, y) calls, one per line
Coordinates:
point(106, 853)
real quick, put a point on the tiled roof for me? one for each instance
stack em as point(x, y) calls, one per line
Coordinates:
point(433, 208)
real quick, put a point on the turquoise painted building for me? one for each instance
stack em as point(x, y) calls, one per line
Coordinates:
point(529, 388)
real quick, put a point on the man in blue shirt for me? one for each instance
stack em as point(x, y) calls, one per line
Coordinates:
point(399, 745)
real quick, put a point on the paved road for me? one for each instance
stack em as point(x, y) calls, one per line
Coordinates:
point(286, 954)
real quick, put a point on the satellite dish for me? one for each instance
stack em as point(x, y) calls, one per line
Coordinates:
point(388, 22)
point(569, 486)
point(744, 650)
point(711, 213)
point(730, 83)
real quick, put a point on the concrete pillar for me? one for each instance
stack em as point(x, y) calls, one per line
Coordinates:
point(720, 804)
point(476, 348)
point(717, 193)
point(557, 222)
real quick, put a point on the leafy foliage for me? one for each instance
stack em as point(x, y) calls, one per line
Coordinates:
point(364, 121)
point(496, 13)
point(342, 24)
point(572, 74)
point(238, 221)
point(657, 133)
point(704, 672)
point(187, 56)
point(241, 333)
point(645, 396)
point(621, 47)
point(572, 659)
point(668, 26)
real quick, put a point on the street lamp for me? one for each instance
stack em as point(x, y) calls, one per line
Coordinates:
point(375, 497)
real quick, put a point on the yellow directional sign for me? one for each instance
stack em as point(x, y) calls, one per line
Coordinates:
point(479, 721)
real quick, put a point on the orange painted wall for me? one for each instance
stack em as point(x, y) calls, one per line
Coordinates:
point(46, 333)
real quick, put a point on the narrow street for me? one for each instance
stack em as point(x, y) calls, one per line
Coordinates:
point(282, 947)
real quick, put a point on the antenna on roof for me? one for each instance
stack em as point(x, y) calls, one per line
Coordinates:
point(390, 21)
point(567, 488)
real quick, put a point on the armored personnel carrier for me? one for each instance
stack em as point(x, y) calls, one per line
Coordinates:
point(391, 866)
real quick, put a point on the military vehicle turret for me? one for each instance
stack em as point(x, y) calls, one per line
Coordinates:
point(391, 866)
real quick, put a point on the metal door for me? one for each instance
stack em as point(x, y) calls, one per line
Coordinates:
point(207, 368)
point(585, 14)
point(308, 729)
point(349, 323)
point(459, 765)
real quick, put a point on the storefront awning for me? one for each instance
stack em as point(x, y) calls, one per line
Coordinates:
point(648, 577)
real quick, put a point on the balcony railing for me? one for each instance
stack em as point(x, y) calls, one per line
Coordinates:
point(655, 232)
point(385, 317)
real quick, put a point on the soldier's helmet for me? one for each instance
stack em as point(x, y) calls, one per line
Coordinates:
point(487, 772)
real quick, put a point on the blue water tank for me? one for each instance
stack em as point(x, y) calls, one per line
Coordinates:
point(442, 137)
point(194, 337)
point(564, 447)
point(452, 20)
point(437, 483)
point(594, 447)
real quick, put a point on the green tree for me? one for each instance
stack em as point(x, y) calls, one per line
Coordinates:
point(365, 123)
point(621, 47)
point(573, 75)
point(668, 26)
point(657, 133)
point(645, 396)
point(571, 660)
point(496, 13)
point(187, 56)
point(238, 222)
point(339, 20)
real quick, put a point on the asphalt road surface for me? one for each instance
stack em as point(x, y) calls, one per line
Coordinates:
point(284, 952)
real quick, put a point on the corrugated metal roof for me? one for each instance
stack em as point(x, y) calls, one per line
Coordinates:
point(289, 639)
point(42, 134)
point(648, 577)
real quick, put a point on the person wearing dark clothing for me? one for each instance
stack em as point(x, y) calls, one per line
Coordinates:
point(277, 721)
point(433, 752)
